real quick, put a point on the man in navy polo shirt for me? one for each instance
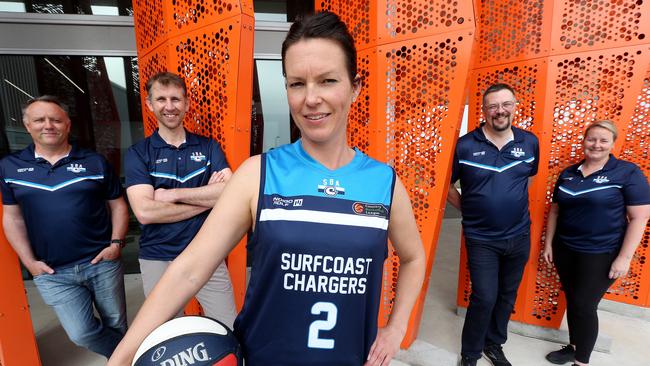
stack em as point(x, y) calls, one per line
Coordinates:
point(173, 179)
point(494, 163)
point(62, 205)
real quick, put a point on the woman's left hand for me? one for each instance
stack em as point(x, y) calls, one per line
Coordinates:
point(385, 346)
point(619, 267)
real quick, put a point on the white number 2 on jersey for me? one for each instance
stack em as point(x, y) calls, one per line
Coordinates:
point(317, 325)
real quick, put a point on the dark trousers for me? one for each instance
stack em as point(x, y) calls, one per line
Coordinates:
point(495, 269)
point(585, 279)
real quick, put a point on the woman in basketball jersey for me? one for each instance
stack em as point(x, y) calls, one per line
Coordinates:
point(322, 213)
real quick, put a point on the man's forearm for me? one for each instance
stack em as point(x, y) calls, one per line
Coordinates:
point(119, 218)
point(16, 233)
point(453, 197)
point(205, 196)
point(156, 212)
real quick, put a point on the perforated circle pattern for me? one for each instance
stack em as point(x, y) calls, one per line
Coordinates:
point(419, 78)
point(509, 29)
point(409, 17)
point(359, 120)
point(637, 150)
point(150, 23)
point(587, 23)
point(188, 13)
point(355, 14)
point(204, 62)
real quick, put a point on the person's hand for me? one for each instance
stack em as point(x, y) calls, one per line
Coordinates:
point(619, 267)
point(385, 346)
point(220, 176)
point(164, 195)
point(109, 253)
point(38, 268)
point(548, 253)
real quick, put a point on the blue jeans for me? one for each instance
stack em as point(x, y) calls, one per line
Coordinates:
point(495, 269)
point(73, 291)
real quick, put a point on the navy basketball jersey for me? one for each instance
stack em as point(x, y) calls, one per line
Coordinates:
point(318, 251)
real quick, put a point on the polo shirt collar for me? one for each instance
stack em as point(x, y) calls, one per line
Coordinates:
point(611, 163)
point(158, 142)
point(29, 153)
point(517, 134)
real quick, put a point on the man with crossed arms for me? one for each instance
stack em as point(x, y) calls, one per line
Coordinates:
point(173, 179)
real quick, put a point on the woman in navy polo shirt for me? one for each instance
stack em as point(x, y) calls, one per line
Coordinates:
point(599, 212)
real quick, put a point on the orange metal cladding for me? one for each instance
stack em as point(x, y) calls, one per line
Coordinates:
point(571, 62)
point(17, 341)
point(413, 60)
point(635, 287)
point(210, 44)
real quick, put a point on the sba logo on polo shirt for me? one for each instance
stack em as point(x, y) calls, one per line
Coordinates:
point(517, 152)
point(197, 156)
point(601, 179)
point(76, 168)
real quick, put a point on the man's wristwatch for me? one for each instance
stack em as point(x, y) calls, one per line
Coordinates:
point(120, 242)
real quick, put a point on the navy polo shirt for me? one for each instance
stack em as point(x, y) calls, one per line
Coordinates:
point(63, 205)
point(593, 216)
point(494, 184)
point(154, 162)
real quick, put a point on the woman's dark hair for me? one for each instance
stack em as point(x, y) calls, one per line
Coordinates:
point(325, 25)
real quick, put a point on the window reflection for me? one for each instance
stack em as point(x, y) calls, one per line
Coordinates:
point(88, 7)
point(272, 103)
point(102, 93)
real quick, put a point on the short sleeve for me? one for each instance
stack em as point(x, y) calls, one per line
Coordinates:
point(7, 193)
point(218, 160)
point(455, 167)
point(111, 181)
point(135, 169)
point(536, 156)
point(636, 190)
point(556, 190)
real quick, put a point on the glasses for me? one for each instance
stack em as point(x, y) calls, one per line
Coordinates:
point(508, 106)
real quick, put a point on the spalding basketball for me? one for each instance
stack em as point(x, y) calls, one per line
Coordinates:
point(190, 341)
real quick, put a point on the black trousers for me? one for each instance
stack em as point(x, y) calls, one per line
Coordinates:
point(495, 269)
point(585, 279)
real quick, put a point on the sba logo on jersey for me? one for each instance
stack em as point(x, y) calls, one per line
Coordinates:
point(331, 187)
point(197, 156)
point(76, 168)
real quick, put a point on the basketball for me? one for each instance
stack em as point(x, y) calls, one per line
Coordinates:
point(190, 341)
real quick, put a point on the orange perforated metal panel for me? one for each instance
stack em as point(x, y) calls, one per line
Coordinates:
point(635, 287)
point(17, 341)
point(210, 44)
point(583, 60)
point(580, 25)
point(413, 59)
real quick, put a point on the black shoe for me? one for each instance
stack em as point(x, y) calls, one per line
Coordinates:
point(494, 353)
point(564, 355)
point(466, 361)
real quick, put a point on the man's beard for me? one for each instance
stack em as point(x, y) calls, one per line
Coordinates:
point(501, 128)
